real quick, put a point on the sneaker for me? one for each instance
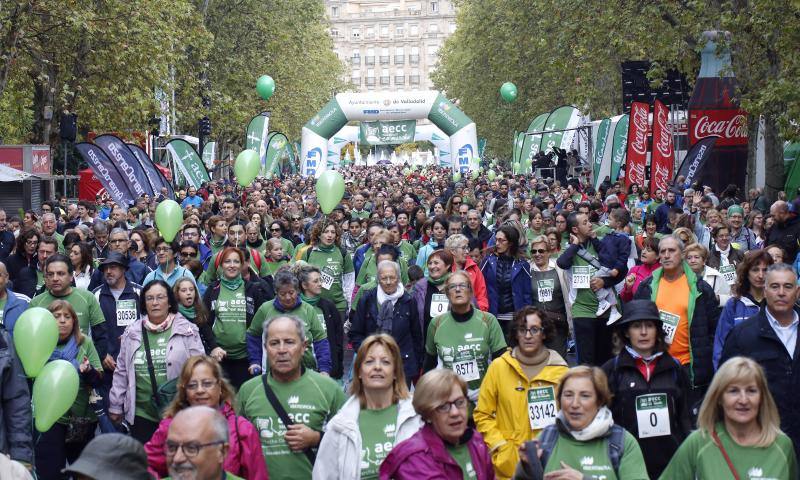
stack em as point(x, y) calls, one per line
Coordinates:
point(602, 306)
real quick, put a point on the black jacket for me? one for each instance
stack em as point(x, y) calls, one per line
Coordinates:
point(7, 241)
point(22, 272)
point(755, 338)
point(702, 328)
point(406, 328)
point(627, 382)
point(254, 296)
point(786, 236)
point(484, 234)
point(335, 329)
point(108, 304)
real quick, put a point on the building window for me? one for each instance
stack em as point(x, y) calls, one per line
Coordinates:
point(414, 30)
point(356, 33)
point(385, 58)
point(384, 30)
point(334, 12)
point(370, 32)
point(413, 58)
point(434, 7)
point(370, 58)
point(334, 32)
point(356, 58)
point(413, 79)
point(433, 27)
point(399, 77)
point(452, 27)
point(399, 30)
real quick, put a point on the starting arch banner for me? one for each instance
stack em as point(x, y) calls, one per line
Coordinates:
point(377, 106)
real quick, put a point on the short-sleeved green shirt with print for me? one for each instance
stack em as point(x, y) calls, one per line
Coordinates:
point(314, 328)
point(585, 304)
point(378, 429)
point(591, 459)
point(83, 301)
point(230, 323)
point(312, 400)
point(144, 387)
point(333, 262)
point(465, 347)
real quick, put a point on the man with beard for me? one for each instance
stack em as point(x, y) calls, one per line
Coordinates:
point(786, 229)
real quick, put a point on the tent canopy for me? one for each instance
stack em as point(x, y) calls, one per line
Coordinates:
point(8, 174)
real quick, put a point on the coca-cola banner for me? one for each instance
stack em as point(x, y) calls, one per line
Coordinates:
point(637, 144)
point(695, 160)
point(730, 125)
point(662, 158)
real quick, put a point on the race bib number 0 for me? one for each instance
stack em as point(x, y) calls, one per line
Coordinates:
point(545, 290)
point(581, 276)
point(669, 322)
point(467, 369)
point(327, 280)
point(728, 273)
point(541, 407)
point(439, 304)
point(652, 415)
point(126, 312)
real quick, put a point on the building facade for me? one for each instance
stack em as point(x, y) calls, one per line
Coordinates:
point(389, 45)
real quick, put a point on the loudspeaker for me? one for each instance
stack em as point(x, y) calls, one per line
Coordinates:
point(69, 126)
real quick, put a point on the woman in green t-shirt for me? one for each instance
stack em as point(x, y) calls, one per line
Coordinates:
point(336, 265)
point(65, 440)
point(738, 433)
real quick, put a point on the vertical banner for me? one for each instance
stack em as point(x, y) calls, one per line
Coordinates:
point(278, 153)
point(188, 162)
point(663, 154)
point(209, 154)
point(619, 146)
point(695, 160)
point(103, 168)
point(126, 163)
point(530, 143)
point(599, 149)
point(154, 175)
point(256, 138)
point(559, 119)
point(637, 144)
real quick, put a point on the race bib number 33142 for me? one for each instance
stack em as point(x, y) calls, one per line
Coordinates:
point(541, 407)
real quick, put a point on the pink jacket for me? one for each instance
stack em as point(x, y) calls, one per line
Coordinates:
point(244, 459)
point(478, 283)
point(425, 457)
point(641, 272)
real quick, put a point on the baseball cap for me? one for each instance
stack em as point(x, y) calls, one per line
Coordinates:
point(112, 455)
point(114, 258)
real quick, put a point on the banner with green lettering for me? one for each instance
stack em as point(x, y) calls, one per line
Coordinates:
point(387, 132)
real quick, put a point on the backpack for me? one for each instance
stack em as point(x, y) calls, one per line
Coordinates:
point(616, 445)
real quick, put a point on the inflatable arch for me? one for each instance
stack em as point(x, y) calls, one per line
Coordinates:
point(373, 106)
point(349, 134)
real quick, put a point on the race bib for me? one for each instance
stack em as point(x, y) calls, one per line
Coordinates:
point(545, 290)
point(467, 369)
point(652, 415)
point(728, 273)
point(581, 276)
point(541, 407)
point(669, 322)
point(326, 279)
point(439, 304)
point(126, 312)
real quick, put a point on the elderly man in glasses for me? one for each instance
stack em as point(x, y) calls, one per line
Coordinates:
point(197, 444)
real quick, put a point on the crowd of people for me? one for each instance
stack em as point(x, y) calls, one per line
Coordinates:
point(509, 327)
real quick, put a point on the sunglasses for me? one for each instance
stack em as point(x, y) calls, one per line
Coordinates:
point(274, 229)
point(188, 253)
point(538, 251)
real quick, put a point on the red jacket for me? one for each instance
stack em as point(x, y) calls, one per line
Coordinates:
point(245, 458)
point(425, 457)
point(478, 283)
point(640, 272)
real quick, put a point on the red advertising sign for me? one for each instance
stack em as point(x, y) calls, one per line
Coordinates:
point(637, 144)
point(730, 125)
point(11, 157)
point(40, 160)
point(663, 155)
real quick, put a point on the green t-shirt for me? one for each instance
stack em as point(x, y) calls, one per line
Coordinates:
point(312, 400)
point(407, 251)
point(314, 328)
point(652, 207)
point(334, 264)
point(83, 301)
point(80, 407)
point(230, 324)
point(144, 388)
point(585, 304)
point(228, 476)
point(272, 267)
point(213, 272)
point(698, 457)
point(591, 459)
point(369, 271)
point(465, 347)
point(460, 454)
point(378, 429)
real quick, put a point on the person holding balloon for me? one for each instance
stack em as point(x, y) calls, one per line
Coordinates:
point(15, 398)
point(65, 440)
point(168, 270)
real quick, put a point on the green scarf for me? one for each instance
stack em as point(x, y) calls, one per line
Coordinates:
point(323, 248)
point(187, 312)
point(217, 243)
point(232, 284)
point(313, 301)
point(440, 281)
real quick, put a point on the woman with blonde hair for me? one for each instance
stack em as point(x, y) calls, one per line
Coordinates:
point(202, 382)
point(685, 235)
point(738, 431)
point(378, 413)
point(696, 255)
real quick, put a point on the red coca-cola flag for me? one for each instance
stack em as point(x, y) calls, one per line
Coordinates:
point(663, 153)
point(637, 144)
point(730, 125)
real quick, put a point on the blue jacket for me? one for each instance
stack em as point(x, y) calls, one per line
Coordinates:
point(614, 251)
point(108, 305)
point(136, 273)
point(521, 287)
point(16, 303)
point(358, 257)
point(735, 312)
point(7, 241)
point(425, 252)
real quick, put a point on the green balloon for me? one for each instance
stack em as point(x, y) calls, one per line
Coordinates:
point(406, 171)
point(265, 86)
point(456, 176)
point(491, 174)
point(474, 174)
point(509, 92)
point(330, 190)
point(516, 167)
point(169, 218)
point(247, 167)
point(35, 338)
point(54, 392)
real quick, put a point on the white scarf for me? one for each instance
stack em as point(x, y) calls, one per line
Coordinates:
point(383, 296)
point(602, 422)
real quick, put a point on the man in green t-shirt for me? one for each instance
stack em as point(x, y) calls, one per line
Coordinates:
point(197, 445)
point(309, 399)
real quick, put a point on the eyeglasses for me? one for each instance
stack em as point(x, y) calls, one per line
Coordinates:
point(274, 229)
point(31, 242)
point(189, 449)
point(117, 240)
point(206, 384)
point(533, 331)
point(538, 251)
point(295, 219)
point(188, 253)
point(163, 249)
point(447, 406)
point(159, 298)
point(457, 286)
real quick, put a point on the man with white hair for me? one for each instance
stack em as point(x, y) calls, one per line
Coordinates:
point(49, 226)
point(197, 444)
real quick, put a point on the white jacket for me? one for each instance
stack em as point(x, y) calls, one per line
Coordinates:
point(721, 288)
point(339, 454)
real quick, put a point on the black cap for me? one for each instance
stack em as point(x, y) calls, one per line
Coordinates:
point(112, 455)
point(638, 310)
point(115, 258)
